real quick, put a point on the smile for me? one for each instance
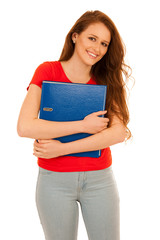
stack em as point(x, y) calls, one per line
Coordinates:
point(92, 54)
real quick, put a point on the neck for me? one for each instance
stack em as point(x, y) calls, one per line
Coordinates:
point(75, 68)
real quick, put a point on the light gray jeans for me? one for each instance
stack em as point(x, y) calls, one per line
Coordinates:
point(57, 195)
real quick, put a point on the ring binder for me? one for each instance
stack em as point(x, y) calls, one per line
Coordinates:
point(72, 102)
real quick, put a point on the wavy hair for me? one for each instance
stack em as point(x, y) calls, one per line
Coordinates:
point(111, 70)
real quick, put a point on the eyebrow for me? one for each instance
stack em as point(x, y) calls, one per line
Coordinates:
point(97, 37)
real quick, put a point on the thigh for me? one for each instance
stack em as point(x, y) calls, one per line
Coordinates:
point(100, 206)
point(58, 211)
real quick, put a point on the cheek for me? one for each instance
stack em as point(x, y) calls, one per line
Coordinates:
point(81, 47)
point(102, 54)
point(104, 51)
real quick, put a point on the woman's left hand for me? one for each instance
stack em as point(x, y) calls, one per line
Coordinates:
point(47, 148)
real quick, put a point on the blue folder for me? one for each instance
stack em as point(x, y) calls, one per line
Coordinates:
point(61, 101)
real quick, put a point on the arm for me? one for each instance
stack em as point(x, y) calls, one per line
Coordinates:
point(30, 126)
point(116, 133)
point(53, 148)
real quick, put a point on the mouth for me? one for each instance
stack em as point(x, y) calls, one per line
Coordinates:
point(92, 55)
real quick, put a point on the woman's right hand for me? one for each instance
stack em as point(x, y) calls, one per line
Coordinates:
point(92, 123)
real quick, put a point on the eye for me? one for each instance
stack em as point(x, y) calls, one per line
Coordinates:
point(92, 39)
point(104, 44)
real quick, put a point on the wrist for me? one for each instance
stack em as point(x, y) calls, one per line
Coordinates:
point(64, 149)
point(82, 126)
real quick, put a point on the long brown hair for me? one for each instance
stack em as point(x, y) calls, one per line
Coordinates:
point(110, 70)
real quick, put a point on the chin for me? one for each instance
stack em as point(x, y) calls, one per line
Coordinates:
point(91, 63)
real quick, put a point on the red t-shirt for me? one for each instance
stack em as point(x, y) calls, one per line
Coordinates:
point(53, 71)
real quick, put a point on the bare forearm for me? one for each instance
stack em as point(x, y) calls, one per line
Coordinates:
point(42, 129)
point(97, 141)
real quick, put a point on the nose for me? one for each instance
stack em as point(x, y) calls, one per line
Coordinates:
point(97, 46)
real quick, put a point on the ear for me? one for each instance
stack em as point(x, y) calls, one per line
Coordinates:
point(74, 37)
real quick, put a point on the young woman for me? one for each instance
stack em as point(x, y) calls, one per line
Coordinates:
point(93, 53)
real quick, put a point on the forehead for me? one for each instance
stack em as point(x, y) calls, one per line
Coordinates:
point(99, 30)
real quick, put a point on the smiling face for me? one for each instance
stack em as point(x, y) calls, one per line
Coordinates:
point(92, 44)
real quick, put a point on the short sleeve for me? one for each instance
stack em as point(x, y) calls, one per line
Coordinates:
point(43, 72)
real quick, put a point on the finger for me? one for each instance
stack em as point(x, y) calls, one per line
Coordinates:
point(106, 120)
point(37, 154)
point(44, 141)
point(100, 112)
point(36, 143)
point(105, 124)
point(40, 143)
point(38, 149)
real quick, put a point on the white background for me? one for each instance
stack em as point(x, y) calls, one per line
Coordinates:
point(33, 32)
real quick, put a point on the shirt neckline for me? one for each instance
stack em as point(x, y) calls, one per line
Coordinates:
point(68, 78)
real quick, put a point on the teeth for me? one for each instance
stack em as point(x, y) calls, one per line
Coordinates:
point(93, 55)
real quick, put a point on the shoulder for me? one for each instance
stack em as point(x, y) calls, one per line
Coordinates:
point(45, 71)
point(46, 66)
point(49, 67)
